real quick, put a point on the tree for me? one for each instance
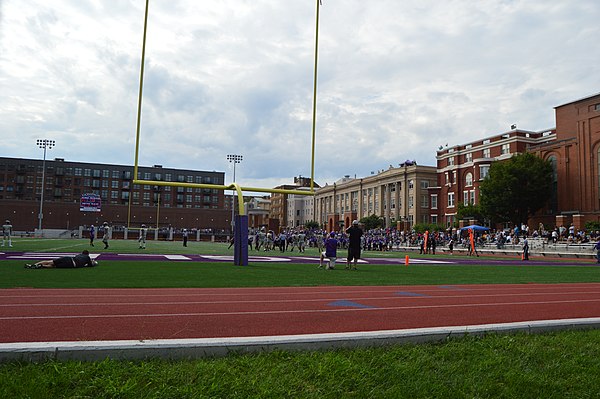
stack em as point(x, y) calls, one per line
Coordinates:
point(372, 222)
point(515, 189)
point(311, 224)
point(470, 211)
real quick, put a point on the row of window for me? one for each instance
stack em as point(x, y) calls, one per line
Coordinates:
point(485, 153)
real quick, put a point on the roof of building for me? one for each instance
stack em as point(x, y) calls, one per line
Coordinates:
point(576, 101)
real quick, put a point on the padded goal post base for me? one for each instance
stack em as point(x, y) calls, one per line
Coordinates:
point(240, 244)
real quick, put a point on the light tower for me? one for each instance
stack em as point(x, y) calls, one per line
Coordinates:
point(45, 144)
point(232, 158)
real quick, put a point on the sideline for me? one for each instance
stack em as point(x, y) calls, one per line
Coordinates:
point(178, 349)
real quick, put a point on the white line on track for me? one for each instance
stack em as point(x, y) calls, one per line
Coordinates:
point(344, 297)
point(249, 313)
point(288, 291)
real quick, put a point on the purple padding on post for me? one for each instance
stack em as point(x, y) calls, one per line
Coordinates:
point(240, 245)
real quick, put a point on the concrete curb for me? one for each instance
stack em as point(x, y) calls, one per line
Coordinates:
point(216, 347)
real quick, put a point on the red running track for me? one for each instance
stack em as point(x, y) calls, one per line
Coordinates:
point(40, 315)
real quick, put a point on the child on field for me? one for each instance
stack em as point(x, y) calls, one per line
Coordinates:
point(330, 252)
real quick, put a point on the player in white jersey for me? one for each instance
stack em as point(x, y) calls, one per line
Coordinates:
point(7, 233)
point(142, 237)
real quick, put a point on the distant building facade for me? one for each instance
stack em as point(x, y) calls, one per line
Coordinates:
point(462, 168)
point(279, 203)
point(575, 156)
point(399, 195)
point(257, 209)
point(300, 209)
point(65, 182)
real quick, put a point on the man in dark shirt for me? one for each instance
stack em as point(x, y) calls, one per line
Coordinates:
point(66, 262)
point(354, 235)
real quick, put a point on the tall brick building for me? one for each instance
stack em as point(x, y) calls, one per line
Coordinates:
point(573, 148)
point(65, 182)
point(462, 168)
point(575, 155)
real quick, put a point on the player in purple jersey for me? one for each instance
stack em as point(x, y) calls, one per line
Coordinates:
point(330, 252)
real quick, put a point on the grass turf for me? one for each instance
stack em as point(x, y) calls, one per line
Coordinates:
point(561, 365)
point(172, 274)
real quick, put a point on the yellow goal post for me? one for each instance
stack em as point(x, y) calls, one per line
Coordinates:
point(234, 186)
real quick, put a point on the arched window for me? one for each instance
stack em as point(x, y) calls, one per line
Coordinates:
point(469, 179)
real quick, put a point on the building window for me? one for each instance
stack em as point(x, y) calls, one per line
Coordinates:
point(78, 171)
point(434, 219)
point(469, 157)
point(483, 171)
point(410, 184)
point(505, 149)
point(434, 201)
point(486, 153)
point(450, 200)
point(424, 201)
point(469, 179)
point(451, 161)
point(424, 184)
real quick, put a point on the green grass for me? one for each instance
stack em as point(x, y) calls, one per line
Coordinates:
point(561, 365)
point(156, 274)
point(145, 274)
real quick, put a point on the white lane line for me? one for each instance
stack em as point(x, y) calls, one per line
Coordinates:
point(278, 291)
point(297, 311)
point(324, 299)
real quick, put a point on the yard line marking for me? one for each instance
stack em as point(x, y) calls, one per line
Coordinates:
point(249, 313)
point(177, 257)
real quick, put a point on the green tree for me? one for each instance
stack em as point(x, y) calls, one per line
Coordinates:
point(515, 189)
point(372, 222)
point(470, 211)
point(311, 224)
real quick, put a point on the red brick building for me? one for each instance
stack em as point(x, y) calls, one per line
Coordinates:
point(461, 169)
point(576, 156)
point(573, 147)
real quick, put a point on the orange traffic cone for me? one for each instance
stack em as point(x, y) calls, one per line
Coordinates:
point(406, 261)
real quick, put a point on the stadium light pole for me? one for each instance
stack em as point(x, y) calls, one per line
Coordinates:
point(232, 158)
point(45, 144)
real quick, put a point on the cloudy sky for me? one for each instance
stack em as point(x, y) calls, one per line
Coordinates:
point(396, 79)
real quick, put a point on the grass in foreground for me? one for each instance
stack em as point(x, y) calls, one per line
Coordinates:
point(561, 365)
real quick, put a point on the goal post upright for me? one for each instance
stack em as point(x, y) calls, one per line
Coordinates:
point(241, 250)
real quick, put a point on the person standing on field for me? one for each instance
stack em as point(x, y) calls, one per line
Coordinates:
point(142, 237)
point(92, 235)
point(185, 237)
point(105, 230)
point(7, 233)
point(354, 236)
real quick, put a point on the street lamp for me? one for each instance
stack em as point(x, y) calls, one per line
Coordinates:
point(235, 159)
point(46, 145)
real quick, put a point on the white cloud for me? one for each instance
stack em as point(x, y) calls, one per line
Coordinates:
point(396, 79)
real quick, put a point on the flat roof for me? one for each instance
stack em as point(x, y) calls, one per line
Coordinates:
point(576, 101)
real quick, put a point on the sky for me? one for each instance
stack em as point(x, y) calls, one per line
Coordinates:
point(396, 80)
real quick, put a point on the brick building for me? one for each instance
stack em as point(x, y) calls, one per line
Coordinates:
point(122, 202)
point(461, 169)
point(278, 213)
point(399, 195)
point(575, 155)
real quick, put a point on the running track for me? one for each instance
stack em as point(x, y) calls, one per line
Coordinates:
point(35, 315)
